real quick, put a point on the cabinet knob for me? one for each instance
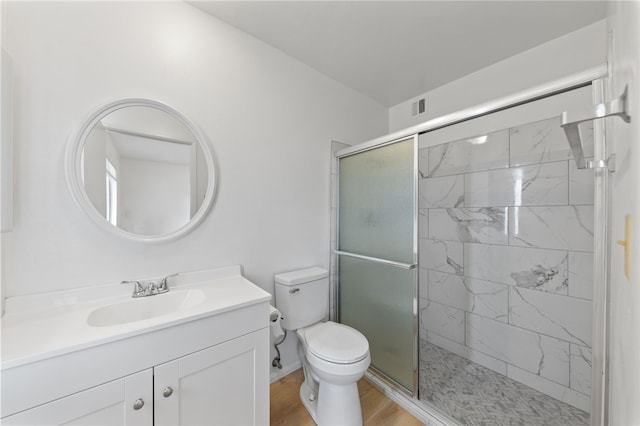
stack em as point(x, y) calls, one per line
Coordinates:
point(138, 404)
point(167, 392)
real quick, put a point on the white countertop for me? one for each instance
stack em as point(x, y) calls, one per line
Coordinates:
point(41, 326)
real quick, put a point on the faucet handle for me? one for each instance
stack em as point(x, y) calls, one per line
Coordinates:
point(164, 286)
point(137, 289)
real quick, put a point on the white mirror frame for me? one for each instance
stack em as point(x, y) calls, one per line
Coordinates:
point(73, 171)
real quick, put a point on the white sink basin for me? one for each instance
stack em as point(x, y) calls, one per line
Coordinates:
point(145, 307)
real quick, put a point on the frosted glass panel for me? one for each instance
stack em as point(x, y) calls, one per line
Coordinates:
point(377, 213)
point(377, 199)
point(377, 300)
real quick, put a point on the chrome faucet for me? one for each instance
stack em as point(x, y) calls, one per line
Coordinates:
point(164, 286)
point(151, 289)
point(138, 289)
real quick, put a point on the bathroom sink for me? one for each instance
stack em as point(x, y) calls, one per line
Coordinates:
point(145, 307)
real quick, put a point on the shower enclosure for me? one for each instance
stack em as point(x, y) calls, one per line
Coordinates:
point(496, 328)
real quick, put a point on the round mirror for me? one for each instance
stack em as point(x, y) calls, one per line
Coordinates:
point(140, 169)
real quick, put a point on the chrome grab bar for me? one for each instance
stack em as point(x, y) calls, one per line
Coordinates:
point(377, 260)
point(571, 120)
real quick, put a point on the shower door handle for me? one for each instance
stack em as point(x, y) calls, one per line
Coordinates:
point(377, 260)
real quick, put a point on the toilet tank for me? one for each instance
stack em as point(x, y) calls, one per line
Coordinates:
point(302, 297)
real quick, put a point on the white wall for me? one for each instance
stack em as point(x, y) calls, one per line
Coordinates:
point(624, 348)
point(6, 155)
point(574, 52)
point(268, 118)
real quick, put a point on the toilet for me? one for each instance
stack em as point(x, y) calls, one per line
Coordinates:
point(334, 356)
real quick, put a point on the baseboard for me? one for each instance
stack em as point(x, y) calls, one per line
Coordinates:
point(286, 370)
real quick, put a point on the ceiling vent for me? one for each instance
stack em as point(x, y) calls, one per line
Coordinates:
point(418, 107)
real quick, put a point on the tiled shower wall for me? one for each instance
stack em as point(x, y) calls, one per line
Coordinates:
point(506, 257)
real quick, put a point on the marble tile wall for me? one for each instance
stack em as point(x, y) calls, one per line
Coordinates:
point(506, 257)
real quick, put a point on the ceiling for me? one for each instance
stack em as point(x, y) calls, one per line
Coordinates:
point(392, 51)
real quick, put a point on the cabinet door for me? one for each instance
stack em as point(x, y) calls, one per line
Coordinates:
point(227, 384)
point(109, 404)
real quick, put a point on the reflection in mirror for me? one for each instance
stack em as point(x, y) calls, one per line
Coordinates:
point(142, 169)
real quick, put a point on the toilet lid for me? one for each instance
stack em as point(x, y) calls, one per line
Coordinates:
point(336, 343)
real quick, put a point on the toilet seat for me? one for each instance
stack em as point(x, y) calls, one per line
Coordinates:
point(336, 343)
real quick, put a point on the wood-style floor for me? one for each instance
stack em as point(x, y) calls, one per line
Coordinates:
point(377, 409)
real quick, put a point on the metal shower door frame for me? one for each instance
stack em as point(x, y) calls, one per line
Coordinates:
point(410, 266)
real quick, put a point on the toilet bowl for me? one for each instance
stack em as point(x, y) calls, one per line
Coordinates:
point(333, 356)
point(337, 357)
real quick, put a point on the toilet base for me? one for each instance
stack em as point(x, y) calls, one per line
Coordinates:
point(335, 405)
point(310, 402)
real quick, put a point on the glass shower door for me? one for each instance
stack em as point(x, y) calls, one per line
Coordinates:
point(377, 254)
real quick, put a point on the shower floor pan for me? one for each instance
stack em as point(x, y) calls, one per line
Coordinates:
point(475, 395)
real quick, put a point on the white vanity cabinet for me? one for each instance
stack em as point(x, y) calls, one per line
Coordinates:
point(108, 404)
point(221, 385)
point(207, 365)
